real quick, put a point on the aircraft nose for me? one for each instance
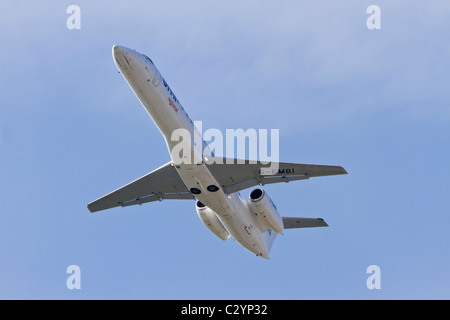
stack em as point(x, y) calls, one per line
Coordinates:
point(123, 56)
point(117, 50)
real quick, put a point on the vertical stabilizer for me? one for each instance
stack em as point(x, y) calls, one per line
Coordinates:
point(269, 238)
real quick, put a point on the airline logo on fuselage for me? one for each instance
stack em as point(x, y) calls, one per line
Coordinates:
point(170, 91)
point(173, 105)
point(171, 102)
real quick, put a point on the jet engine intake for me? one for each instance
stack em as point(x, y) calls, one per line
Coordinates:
point(264, 209)
point(210, 220)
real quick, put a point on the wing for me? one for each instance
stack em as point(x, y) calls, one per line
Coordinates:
point(236, 175)
point(162, 183)
point(290, 222)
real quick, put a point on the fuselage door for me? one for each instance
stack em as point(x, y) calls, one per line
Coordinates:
point(157, 79)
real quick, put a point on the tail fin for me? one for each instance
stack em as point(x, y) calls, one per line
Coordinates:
point(269, 238)
point(291, 222)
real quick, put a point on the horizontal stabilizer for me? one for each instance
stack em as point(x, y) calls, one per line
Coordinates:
point(291, 222)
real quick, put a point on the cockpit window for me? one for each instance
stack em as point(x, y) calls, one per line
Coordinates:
point(148, 59)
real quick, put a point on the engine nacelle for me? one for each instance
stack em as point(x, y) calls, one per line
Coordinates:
point(210, 219)
point(263, 208)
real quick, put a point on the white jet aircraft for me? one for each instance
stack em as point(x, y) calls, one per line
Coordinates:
point(214, 184)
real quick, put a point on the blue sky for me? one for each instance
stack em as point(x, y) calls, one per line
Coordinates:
point(374, 101)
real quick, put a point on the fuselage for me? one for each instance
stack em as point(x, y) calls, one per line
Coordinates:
point(170, 117)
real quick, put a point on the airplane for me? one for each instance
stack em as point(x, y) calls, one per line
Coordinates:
point(214, 184)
